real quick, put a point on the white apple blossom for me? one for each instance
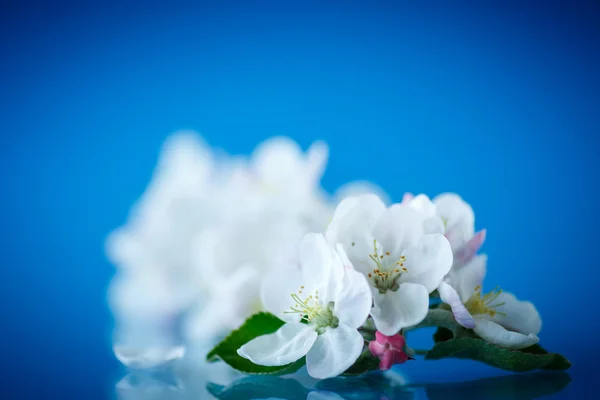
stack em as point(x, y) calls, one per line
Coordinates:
point(457, 223)
point(391, 247)
point(323, 301)
point(497, 317)
point(216, 238)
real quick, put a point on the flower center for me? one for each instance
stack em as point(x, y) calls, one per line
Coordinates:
point(387, 271)
point(478, 304)
point(313, 312)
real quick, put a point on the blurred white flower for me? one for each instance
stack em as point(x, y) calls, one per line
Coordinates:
point(207, 229)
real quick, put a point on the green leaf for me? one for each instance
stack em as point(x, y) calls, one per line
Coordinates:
point(257, 325)
point(534, 357)
point(439, 318)
point(366, 362)
point(558, 362)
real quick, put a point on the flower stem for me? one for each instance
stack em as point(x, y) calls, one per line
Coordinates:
point(438, 318)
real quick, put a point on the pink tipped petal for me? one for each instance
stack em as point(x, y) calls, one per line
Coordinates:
point(466, 252)
point(451, 297)
point(407, 197)
point(463, 317)
point(477, 241)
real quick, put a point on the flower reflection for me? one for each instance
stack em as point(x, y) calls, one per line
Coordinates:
point(187, 384)
point(149, 386)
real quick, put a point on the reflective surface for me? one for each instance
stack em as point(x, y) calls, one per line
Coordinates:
point(174, 384)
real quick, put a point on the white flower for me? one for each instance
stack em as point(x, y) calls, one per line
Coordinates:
point(497, 317)
point(458, 218)
point(451, 215)
point(391, 247)
point(333, 300)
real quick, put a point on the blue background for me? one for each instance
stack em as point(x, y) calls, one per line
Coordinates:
point(497, 101)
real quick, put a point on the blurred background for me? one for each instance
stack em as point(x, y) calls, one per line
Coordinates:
point(498, 101)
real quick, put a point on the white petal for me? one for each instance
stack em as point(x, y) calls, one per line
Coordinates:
point(276, 289)
point(468, 277)
point(319, 261)
point(422, 204)
point(351, 226)
point(459, 217)
point(225, 307)
point(357, 248)
point(334, 352)
point(341, 252)
point(405, 307)
point(399, 228)
point(277, 159)
point(434, 225)
point(450, 297)
point(465, 253)
point(493, 333)
point(359, 188)
point(316, 159)
point(151, 294)
point(366, 207)
point(521, 316)
point(428, 261)
point(288, 344)
point(354, 299)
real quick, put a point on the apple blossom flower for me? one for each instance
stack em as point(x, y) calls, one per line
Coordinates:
point(389, 349)
point(497, 317)
point(457, 223)
point(391, 248)
point(323, 304)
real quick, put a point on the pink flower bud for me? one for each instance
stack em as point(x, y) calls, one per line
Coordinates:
point(389, 349)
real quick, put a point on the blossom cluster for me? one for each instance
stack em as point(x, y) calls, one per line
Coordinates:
point(191, 257)
point(382, 265)
point(216, 239)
